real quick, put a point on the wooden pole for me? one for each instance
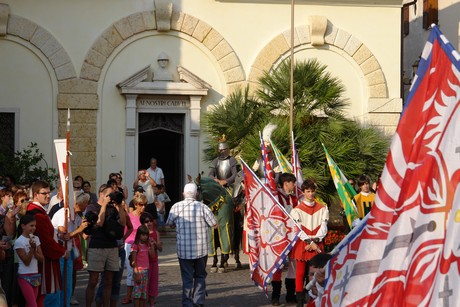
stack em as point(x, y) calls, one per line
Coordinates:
point(66, 202)
point(291, 94)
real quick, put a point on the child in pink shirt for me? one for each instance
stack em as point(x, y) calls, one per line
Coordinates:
point(148, 220)
point(141, 251)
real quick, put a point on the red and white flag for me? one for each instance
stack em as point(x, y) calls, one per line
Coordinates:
point(271, 232)
point(61, 153)
point(269, 174)
point(408, 252)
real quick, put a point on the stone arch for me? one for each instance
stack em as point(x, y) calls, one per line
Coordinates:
point(334, 36)
point(45, 42)
point(136, 23)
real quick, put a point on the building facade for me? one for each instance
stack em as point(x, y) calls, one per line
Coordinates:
point(138, 75)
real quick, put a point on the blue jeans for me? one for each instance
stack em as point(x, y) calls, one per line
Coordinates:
point(116, 283)
point(193, 272)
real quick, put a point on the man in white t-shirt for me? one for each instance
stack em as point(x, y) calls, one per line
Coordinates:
point(156, 173)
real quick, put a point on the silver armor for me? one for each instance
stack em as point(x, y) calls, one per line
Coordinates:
point(223, 169)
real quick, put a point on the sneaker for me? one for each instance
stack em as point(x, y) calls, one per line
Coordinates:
point(73, 301)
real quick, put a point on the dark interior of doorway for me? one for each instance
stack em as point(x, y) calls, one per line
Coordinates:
point(167, 148)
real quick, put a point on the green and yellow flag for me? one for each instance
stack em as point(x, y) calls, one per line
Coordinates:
point(344, 189)
point(283, 163)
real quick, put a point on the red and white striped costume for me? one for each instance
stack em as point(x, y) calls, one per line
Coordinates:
point(312, 217)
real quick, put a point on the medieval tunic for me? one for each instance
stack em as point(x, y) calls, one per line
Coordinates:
point(52, 251)
point(288, 201)
point(312, 217)
point(363, 202)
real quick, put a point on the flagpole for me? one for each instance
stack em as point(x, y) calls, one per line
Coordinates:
point(291, 92)
point(66, 201)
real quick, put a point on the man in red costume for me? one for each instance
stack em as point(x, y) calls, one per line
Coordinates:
point(312, 217)
point(50, 268)
point(288, 199)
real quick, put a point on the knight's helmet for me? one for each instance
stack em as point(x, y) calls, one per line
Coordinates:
point(224, 150)
point(163, 56)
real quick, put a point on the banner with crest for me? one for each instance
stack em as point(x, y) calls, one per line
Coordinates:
point(408, 252)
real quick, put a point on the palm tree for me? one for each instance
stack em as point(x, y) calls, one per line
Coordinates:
point(318, 118)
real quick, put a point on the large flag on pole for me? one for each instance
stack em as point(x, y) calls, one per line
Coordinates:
point(61, 153)
point(408, 252)
point(268, 171)
point(344, 189)
point(283, 162)
point(271, 232)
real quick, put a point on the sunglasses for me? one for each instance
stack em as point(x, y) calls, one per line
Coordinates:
point(148, 221)
point(45, 193)
point(24, 201)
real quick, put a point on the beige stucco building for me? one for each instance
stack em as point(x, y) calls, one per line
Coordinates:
point(420, 15)
point(99, 59)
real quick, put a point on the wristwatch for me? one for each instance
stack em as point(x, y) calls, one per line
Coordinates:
point(310, 240)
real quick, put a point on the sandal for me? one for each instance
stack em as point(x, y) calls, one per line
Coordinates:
point(126, 300)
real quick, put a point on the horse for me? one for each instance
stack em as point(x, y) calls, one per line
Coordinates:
point(220, 202)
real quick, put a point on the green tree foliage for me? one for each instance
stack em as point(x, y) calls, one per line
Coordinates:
point(25, 166)
point(318, 118)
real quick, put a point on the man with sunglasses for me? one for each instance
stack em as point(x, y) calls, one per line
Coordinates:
point(50, 268)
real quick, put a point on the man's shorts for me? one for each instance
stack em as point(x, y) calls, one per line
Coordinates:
point(103, 259)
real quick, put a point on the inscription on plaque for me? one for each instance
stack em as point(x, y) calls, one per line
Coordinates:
point(166, 103)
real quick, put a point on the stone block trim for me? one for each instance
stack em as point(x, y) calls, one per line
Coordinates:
point(342, 38)
point(77, 86)
point(124, 28)
point(229, 61)
point(21, 27)
point(385, 105)
point(136, 21)
point(4, 14)
point(177, 18)
point(186, 24)
point(46, 43)
point(149, 20)
point(287, 37)
point(78, 116)
point(78, 101)
point(334, 36)
point(304, 35)
point(271, 53)
point(112, 36)
point(189, 24)
point(202, 29)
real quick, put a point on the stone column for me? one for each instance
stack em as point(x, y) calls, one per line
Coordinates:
point(130, 140)
point(193, 161)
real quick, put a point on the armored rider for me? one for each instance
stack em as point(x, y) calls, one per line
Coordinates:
point(224, 171)
point(224, 167)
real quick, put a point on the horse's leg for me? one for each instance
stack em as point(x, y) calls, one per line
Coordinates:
point(223, 260)
point(214, 264)
point(215, 259)
point(237, 238)
point(237, 259)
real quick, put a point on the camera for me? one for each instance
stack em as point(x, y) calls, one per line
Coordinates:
point(91, 218)
point(116, 197)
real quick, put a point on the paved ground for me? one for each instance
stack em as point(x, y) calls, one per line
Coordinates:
point(233, 288)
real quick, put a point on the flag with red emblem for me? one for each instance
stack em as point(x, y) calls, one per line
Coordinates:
point(408, 252)
point(269, 174)
point(271, 232)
